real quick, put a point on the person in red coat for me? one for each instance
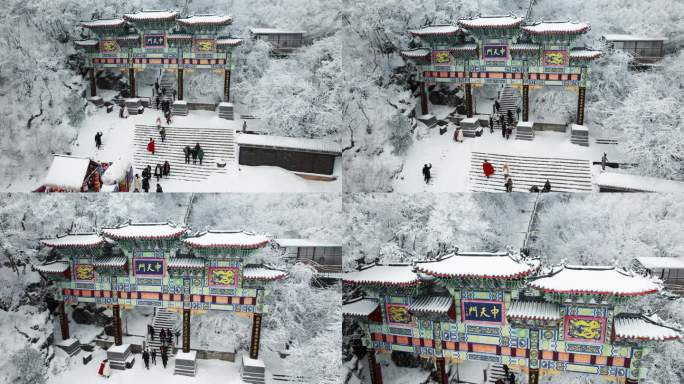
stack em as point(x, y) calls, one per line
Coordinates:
point(150, 146)
point(487, 168)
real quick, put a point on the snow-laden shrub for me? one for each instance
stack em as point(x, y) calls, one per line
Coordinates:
point(29, 365)
point(399, 127)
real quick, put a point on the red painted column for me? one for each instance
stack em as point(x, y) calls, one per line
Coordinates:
point(186, 330)
point(423, 98)
point(374, 368)
point(180, 83)
point(256, 336)
point(441, 371)
point(118, 335)
point(533, 376)
point(131, 80)
point(469, 100)
point(226, 85)
point(63, 320)
point(580, 105)
point(526, 102)
point(93, 83)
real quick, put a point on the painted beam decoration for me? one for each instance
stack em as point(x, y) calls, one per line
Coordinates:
point(585, 329)
point(398, 314)
point(441, 58)
point(480, 311)
point(555, 58)
point(84, 272)
point(223, 276)
point(204, 45)
point(109, 46)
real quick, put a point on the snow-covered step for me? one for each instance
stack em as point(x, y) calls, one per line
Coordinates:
point(118, 355)
point(252, 370)
point(565, 175)
point(185, 363)
point(70, 346)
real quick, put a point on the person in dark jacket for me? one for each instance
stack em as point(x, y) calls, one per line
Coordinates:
point(177, 335)
point(491, 124)
point(146, 184)
point(426, 173)
point(166, 169)
point(98, 140)
point(169, 336)
point(547, 186)
point(146, 358)
point(162, 133)
point(162, 335)
point(518, 112)
point(150, 331)
point(187, 152)
point(497, 105)
point(164, 357)
point(158, 171)
point(503, 127)
point(200, 154)
point(159, 188)
point(154, 356)
point(509, 185)
point(195, 152)
point(509, 114)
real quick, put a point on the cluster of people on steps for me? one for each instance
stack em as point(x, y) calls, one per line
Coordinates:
point(159, 172)
point(197, 153)
point(166, 340)
point(488, 170)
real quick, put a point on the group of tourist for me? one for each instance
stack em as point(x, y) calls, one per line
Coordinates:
point(164, 103)
point(197, 153)
point(166, 339)
point(506, 127)
point(159, 172)
point(488, 170)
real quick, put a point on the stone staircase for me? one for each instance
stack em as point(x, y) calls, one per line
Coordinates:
point(218, 144)
point(162, 319)
point(565, 175)
point(252, 371)
point(167, 82)
point(508, 101)
point(495, 372)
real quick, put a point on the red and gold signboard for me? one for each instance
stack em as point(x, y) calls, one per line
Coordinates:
point(398, 314)
point(441, 58)
point(204, 45)
point(554, 58)
point(585, 329)
point(84, 272)
point(109, 46)
point(223, 276)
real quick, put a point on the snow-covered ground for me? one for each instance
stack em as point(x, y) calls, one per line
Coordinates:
point(207, 371)
point(451, 160)
point(117, 143)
